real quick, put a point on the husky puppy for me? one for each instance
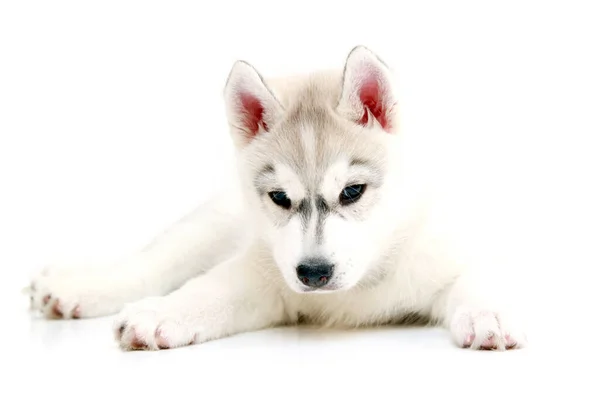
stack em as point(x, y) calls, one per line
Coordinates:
point(325, 222)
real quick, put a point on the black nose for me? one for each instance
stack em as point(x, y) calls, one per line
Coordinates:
point(314, 274)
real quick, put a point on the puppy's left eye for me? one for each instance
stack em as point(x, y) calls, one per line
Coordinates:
point(351, 194)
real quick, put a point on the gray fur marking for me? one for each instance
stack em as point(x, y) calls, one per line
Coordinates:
point(305, 212)
point(322, 213)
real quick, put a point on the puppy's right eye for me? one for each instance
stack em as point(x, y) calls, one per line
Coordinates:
point(281, 199)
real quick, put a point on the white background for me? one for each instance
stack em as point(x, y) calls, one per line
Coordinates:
point(112, 126)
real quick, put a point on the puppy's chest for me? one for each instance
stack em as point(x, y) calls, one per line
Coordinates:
point(362, 308)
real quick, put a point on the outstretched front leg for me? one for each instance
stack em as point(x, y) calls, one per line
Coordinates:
point(478, 316)
point(234, 297)
point(190, 247)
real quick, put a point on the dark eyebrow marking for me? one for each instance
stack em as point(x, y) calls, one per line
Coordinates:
point(262, 176)
point(372, 166)
point(361, 162)
point(267, 169)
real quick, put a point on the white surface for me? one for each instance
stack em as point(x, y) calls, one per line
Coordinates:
point(72, 358)
point(112, 125)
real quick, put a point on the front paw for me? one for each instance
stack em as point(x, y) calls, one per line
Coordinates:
point(154, 323)
point(485, 330)
point(65, 293)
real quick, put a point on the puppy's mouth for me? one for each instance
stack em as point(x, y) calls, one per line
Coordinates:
point(330, 287)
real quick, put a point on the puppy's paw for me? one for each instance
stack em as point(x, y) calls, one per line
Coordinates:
point(485, 330)
point(154, 323)
point(65, 293)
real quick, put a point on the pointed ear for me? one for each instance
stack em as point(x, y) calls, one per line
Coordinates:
point(367, 91)
point(251, 107)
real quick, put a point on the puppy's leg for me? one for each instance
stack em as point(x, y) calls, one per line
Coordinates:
point(206, 237)
point(231, 298)
point(480, 313)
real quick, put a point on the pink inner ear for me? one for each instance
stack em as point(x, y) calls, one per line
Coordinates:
point(372, 98)
point(253, 113)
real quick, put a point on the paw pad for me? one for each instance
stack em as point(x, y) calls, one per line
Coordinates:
point(490, 343)
point(161, 340)
point(137, 343)
point(56, 310)
point(469, 341)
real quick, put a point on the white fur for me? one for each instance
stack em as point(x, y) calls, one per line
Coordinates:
point(207, 278)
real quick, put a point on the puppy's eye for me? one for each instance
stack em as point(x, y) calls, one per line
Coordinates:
point(281, 199)
point(351, 194)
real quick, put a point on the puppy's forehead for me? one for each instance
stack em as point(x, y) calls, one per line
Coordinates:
point(314, 148)
point(306, 137)
point(314, 138)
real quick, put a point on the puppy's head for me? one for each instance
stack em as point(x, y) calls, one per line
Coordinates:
point(315, 158)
